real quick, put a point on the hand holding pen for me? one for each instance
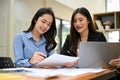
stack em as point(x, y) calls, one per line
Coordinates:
point(37, 57)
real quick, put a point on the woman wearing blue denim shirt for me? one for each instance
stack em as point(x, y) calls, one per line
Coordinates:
point(38, 41)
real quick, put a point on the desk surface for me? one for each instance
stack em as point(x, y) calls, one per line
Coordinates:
point(104, 75)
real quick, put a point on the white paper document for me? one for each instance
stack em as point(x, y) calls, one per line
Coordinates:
point(56, 60)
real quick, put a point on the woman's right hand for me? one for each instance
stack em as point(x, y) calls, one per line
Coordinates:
point(37, 57)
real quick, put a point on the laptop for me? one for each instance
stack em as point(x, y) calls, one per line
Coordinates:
point(97, 54)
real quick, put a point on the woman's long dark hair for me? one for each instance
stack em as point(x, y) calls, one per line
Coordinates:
point(74, 35)
point(51, 33)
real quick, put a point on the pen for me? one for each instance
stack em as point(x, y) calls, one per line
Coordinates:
point(43, 55)
point(70, 53)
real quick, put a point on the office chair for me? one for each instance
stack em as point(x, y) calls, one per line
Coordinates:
point(6, 62)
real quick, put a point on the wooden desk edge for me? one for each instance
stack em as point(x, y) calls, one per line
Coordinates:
point(96, 76)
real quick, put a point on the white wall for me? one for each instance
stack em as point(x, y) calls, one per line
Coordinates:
point(94, 6)
point(60, 10)
point(4, 29)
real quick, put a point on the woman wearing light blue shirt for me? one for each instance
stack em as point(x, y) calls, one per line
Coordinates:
point(36, 43)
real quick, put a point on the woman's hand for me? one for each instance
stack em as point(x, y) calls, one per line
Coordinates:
point(115, 62)
point(37, 57)
point(71, 64)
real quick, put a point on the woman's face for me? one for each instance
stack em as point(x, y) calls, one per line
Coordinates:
point(43, 23)
point(80, 22)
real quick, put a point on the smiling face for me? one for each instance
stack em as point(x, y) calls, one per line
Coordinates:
point(80, 23)
point(43, 24)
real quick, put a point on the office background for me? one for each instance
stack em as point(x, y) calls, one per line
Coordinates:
point(16, 15)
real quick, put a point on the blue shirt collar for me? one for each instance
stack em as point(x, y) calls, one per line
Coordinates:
point(29, 35)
